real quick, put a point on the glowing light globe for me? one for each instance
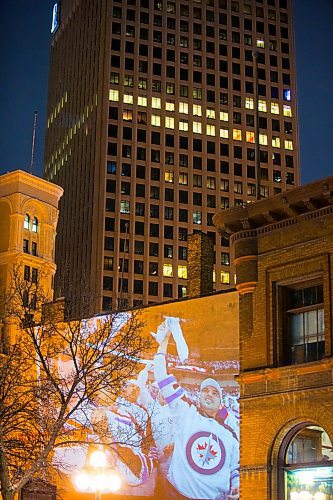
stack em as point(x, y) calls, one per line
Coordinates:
point(98, 459)
point(82, 481)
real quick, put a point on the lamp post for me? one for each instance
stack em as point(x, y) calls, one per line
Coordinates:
point(97, 478)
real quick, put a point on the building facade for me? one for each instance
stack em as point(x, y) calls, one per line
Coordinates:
point(28, 220)
point(160, 113)
point(283, 256)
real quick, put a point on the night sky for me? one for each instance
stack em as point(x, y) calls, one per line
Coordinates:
point(24, 51)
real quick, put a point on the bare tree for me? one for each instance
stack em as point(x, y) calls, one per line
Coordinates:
point(53, 374)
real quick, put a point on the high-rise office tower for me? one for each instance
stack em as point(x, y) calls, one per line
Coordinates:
point(160, 113)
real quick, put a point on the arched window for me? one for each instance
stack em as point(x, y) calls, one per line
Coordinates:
point(35, 225)
point(308, 465)
point(26, 224)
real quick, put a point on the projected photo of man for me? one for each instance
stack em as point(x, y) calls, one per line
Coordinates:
point(205, 459)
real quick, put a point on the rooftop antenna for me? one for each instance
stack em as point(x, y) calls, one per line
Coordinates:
point(31, 168)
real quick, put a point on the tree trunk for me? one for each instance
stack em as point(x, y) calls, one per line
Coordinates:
point(8, 495)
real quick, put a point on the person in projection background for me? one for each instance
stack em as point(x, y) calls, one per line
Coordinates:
point(205, 459)
point(161, 421)
point(127, 425)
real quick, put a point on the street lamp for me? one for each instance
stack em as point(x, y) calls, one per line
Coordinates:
point(97, 478)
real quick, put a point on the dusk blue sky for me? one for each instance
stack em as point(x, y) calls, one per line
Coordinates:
point(24, 51)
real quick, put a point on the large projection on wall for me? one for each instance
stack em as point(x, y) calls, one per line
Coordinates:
point(176, 422)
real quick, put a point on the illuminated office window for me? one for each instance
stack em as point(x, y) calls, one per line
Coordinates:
point(224, 186)
point(262, 105)
point(142, 83)
point(236, 134)
point(197, 111)
point(183, 108)
point(249, 103)
point(224, 133)
point(211, 183)
point(167, 270)
point(125, 207)
point(128, 81)
point(183, 125)
point(210, 113)
point(288, 145)
point(260, 43)
point(114, 78)
point(225, 277)
point(224, 116)
point(197, 217)
point(263, 140)
point(127, 115)
point(275, 108)
point(238, 187)
point(214, 276)
point(250, 137)
point(156, 103)
point(182, 272)
point(168, 176)
point(210, 130)
point(276, 143)
point(183, 178)
point(169, 122)
point(197, 127)
point(197, 93)
point(128, 98)
point(156, 120)
point(170, 106)
point(142, 101)
point(113, 95)
point(287, 95)
point(287, 110)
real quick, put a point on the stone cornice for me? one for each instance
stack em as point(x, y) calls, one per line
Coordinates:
point(310, 201)
point(22, 182)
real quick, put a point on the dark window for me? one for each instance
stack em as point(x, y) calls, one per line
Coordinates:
point(138, 267)
point(140, 171)
point(238, 153)
point(107, 283)
point(33, 248)
point(183, 215)
point(154, 230)
point(168, 232)
point(139, 209)
point(138, 286)
point(155, 174)
point(109, 224)
point(167, 290)
point(139, 228)
point(139, 247)
point(153, 288)
point(182, 234)
point(153, 249)
point(169, 194)
point(109, 204)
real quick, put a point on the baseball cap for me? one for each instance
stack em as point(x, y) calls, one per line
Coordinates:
point(213, 383)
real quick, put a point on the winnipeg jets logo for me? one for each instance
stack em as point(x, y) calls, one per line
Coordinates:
point(205, 452)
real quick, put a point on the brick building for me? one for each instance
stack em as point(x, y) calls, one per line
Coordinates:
point(283, 253)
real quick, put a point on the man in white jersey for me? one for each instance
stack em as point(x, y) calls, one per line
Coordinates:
point(205, 459)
